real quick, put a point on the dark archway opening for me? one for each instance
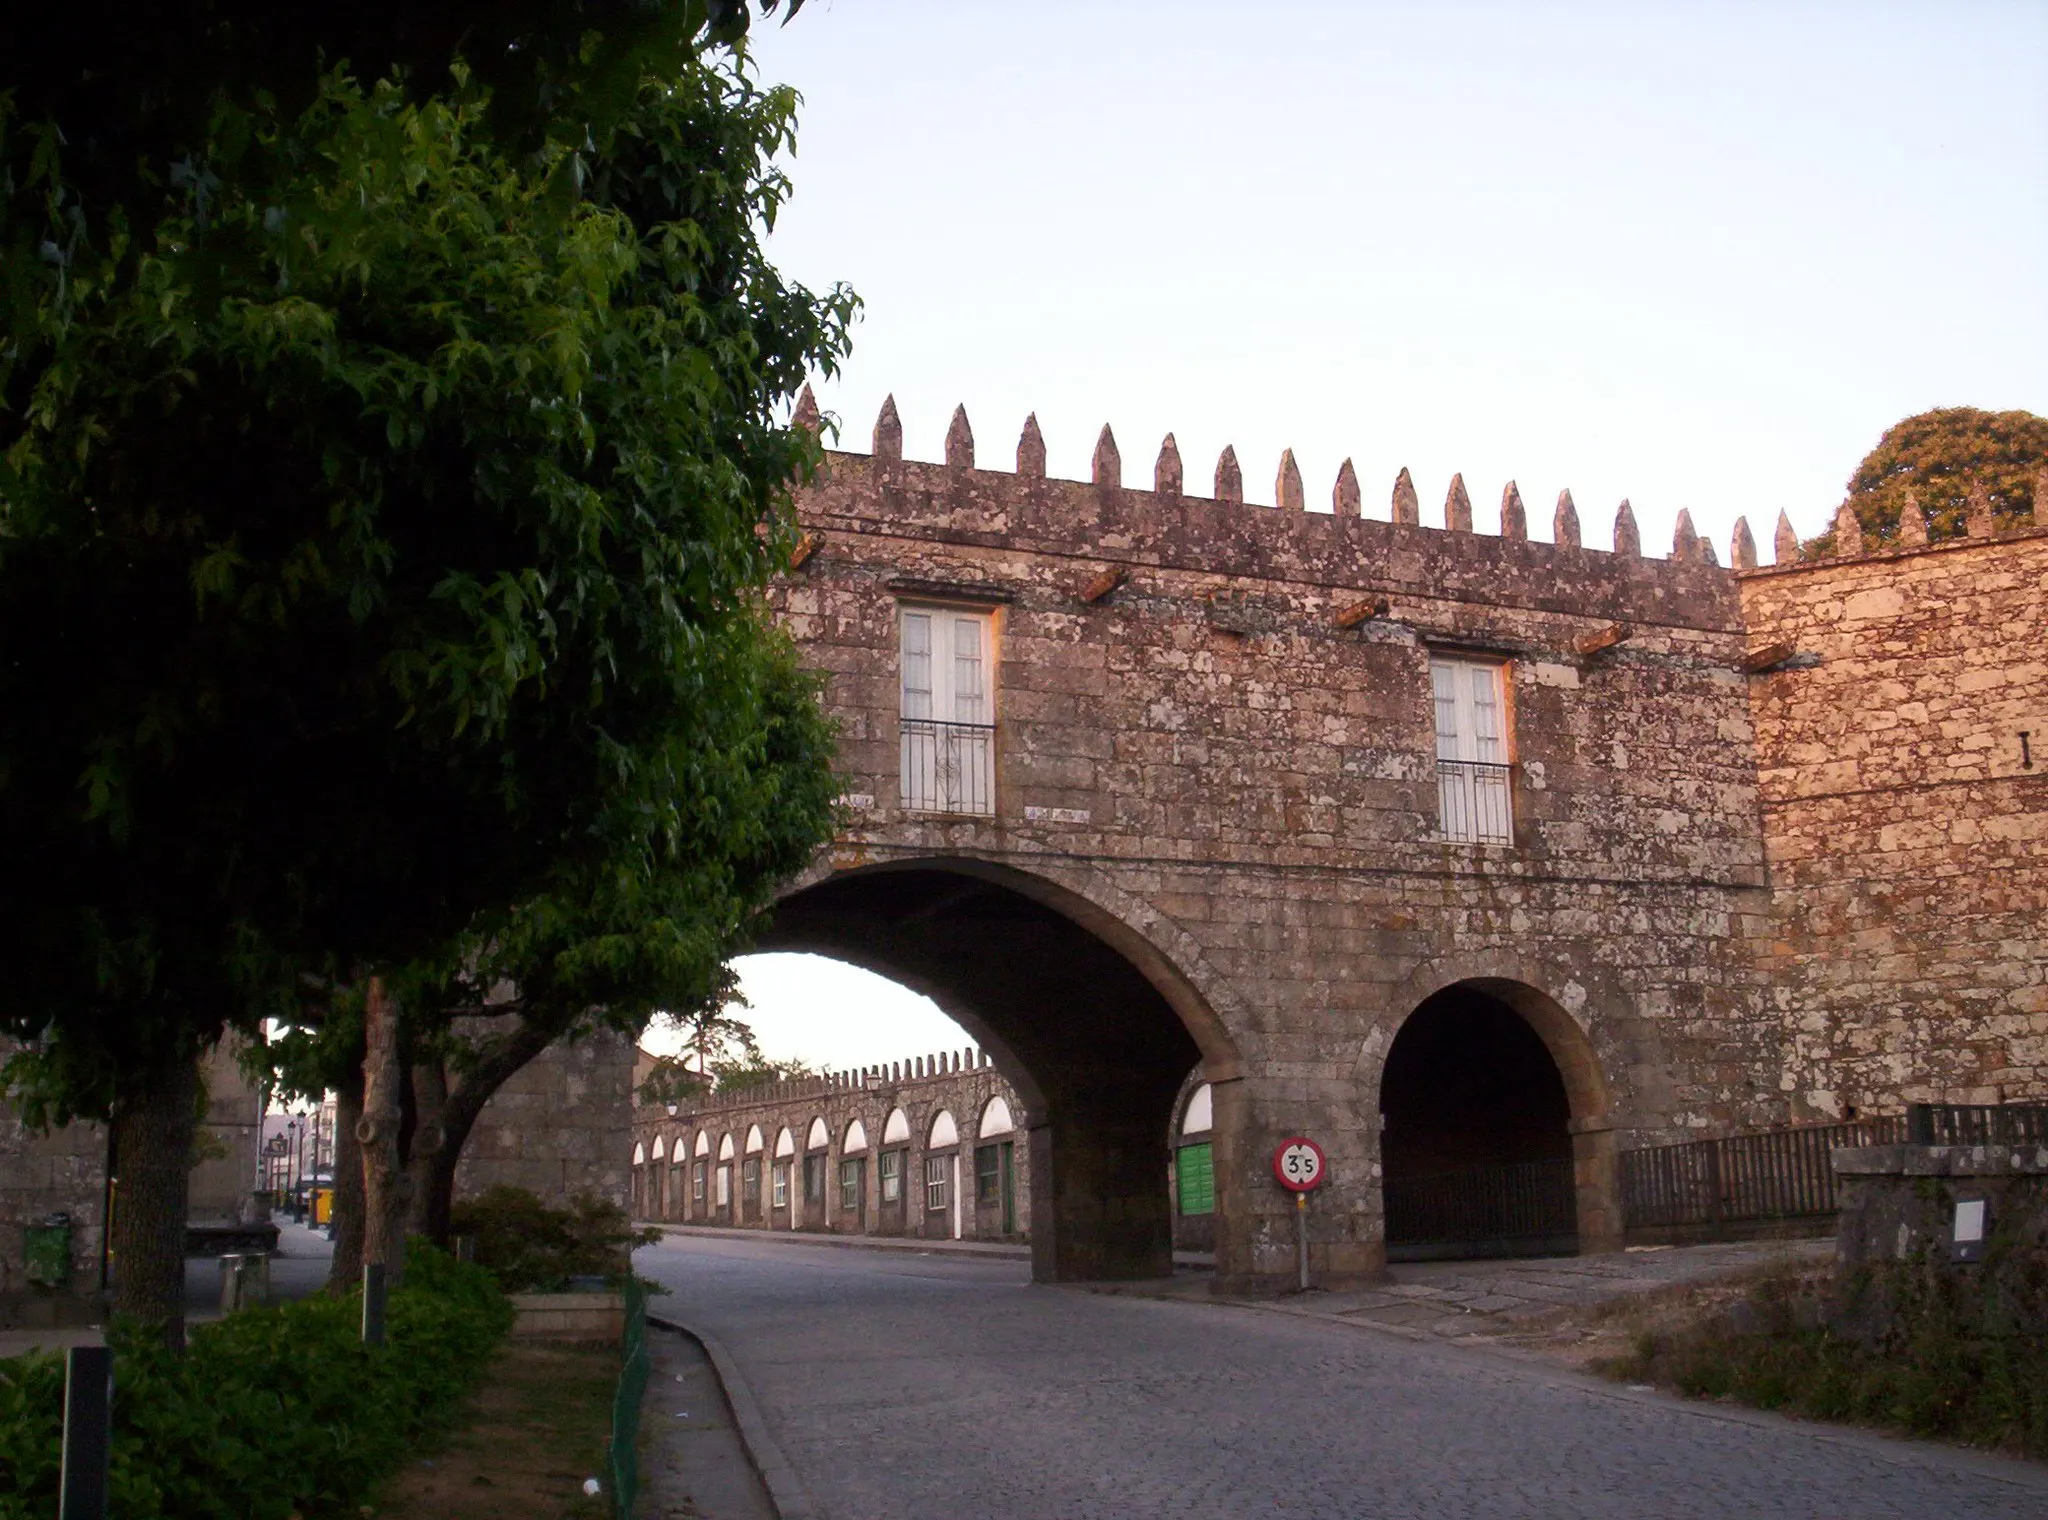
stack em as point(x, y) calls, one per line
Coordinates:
point(1086, 1036)
point(1475, 1142)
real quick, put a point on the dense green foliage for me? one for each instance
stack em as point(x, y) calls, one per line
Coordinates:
point(379, 527)
point(529, 1247)
point(1957, 1363)
point(271, 1412)
point(1938, 457)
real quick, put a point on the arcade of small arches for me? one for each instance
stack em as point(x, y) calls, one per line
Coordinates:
point(846, 1161)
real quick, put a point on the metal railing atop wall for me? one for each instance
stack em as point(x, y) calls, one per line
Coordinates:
point(1473, 802)
point(948, 767)
point(1977, 1124)
point(1711, 1185)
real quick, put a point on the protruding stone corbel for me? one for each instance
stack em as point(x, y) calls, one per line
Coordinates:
point(1514, 517)
point(959, 441)
point(1031, 450)
point(806, 414)
point(1564, 523)
point(1457, 507)
point(1848, 530)
point(1601, 639)
point(806, 546)
point(1769, 657)
point(1345, 500)
point(1103, 584)
point(888, 431)
point(1360, 612)
point(1628, 539)
point(1107, 468)
point(1742, 546)
point(1407, 505)
point(1287, 493)
point(1912, 522)
point(1685, 539)
point(1166, 472)
point(1784, 541)
point(1229, 478)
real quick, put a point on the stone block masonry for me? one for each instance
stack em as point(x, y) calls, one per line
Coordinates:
point(1903, 778)
point(1231, 747)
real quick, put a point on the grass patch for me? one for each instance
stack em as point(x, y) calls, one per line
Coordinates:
point(534, 1431)
point(1915, 1348)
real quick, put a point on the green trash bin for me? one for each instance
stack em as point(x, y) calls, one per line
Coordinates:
point(48, 1250)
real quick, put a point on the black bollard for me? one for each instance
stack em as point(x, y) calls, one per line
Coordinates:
point(88, 1425)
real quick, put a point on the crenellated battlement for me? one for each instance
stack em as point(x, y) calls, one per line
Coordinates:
point(1114, 525)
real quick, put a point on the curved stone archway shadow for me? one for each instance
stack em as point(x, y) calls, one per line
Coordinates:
point(1089, 1014)
point(1565, 1022)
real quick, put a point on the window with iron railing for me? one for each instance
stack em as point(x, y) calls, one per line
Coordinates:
point(1473, 774)
point(947, 719)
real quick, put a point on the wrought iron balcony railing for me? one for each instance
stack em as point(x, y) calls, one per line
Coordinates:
point(948, 767)
point(1473, 802)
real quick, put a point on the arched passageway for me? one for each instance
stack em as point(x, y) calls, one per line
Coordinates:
point(1094, 1028)
point(1477, 1123)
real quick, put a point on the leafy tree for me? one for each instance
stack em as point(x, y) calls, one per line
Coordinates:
point(377, 507)
point(1938, 457)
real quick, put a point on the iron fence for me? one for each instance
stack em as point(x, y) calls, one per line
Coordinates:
point(622, 1456)
point(1473, 802)
point(948, 767)
point(1525, 1207)
point(1774, 1175)
point(1977, 1124)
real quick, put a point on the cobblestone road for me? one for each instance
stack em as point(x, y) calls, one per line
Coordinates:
point(930, 1388)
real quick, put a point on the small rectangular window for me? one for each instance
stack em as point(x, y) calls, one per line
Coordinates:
point(782, 1184)
point(988, 1175)
point(938, 1171)
point(814, 1177)
point(697, 1181)
point(1472, 766)
point(724, 1187)
point(849, 1186)
point(947, 721)
point(750, 1179)
point(891, 1175)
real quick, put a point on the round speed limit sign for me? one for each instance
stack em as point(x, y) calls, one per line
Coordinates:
point(1299, 1164)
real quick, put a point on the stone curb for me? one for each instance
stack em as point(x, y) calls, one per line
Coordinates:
point(786, 1491)
point(852, 1242)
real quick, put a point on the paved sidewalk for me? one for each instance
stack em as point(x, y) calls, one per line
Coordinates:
point(999, 1249)
point(297, 1268)
point(1480, 1302)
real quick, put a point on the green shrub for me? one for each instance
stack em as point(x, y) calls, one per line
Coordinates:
point(1956, 1359)
point(269, 1412)
point(530, 1247)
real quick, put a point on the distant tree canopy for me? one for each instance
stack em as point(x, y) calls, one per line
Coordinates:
point(1938, 456)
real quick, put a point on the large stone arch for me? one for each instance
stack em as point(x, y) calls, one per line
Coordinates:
point(1585, 1020)
point(1094, 1004)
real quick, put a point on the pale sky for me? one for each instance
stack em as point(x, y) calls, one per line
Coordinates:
point(1694, 255)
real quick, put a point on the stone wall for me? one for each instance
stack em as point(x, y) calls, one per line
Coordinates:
point(1902, 750)
point(813, 1118)
point(556, 1128)
point(1215, 726)
point(64, 1172)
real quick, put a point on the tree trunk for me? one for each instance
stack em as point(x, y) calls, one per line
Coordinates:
point(346, 1270)
point(424, 1158)
point(154, 1121)
point(377, 1130)
point(494, 1065)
